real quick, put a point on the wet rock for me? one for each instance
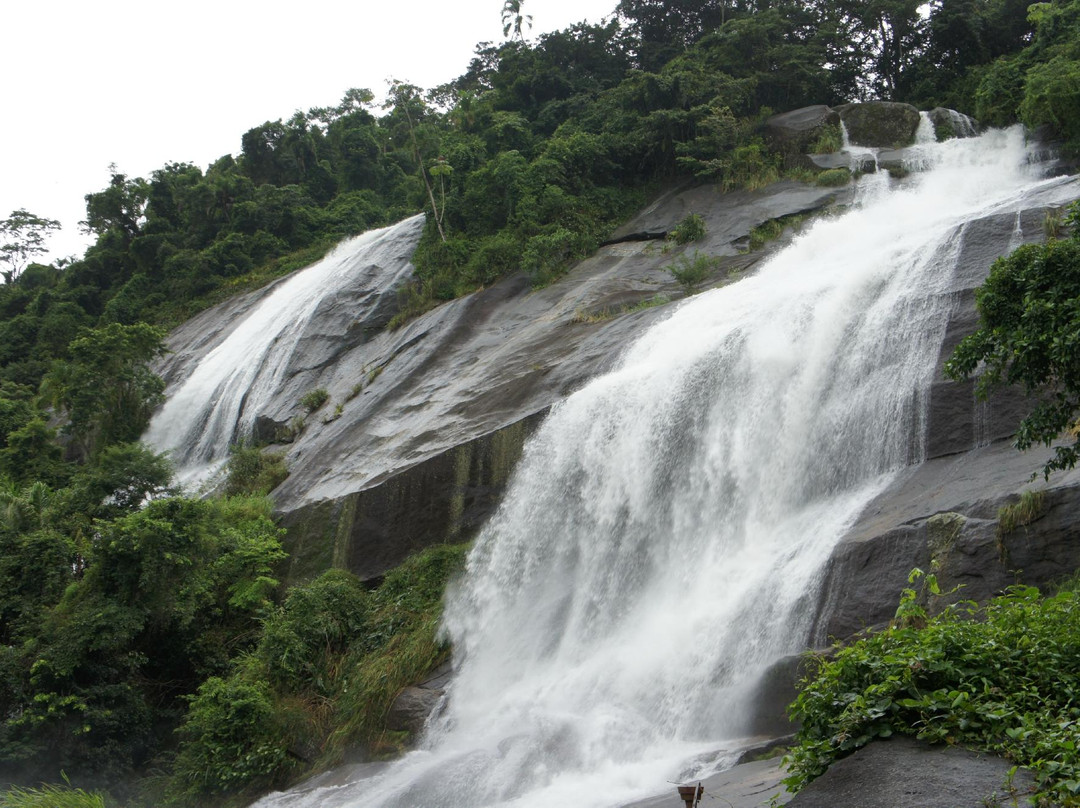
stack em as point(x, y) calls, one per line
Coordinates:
point(794, 134)
point(411, 709)
point(415, 704)
point(880, 124)
point(902, 772)
point(946, 510)
point(948, 123)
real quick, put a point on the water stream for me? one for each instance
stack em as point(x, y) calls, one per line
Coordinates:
point(216, 405)
point(663, 540)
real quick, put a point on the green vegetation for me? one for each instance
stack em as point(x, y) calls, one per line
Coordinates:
point(50, 796)
point(1031, 506)
point(313, 399)
point(691, 271)
point(691, 228)
point(833, 178)
point(1029, 335)
point(127, 612)
point(326, 668)
point(829, 141)
point(1001, 679)
point(250, 470)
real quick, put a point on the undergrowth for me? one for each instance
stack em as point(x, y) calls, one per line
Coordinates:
point(328, 666)
point(50, 796)
point(1004, 679)
point(1031, 506)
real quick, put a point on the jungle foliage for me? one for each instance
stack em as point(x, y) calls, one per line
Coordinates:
point(1029, 335)
point(1002, 679)
point(528, 159)
point(144, 638)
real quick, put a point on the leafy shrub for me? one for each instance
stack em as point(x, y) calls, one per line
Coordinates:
point(233, 738)
point(313, 399)
point(1001, 679)
point(317, 620)
point(829, 141)
point(691, 228)
point(833, 178)
point(750, 167)
point(547, 256)
point(690, 271)
point(252, 471)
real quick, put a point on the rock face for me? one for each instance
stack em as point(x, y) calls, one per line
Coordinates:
point(904, 773)
point(945, 509)
point(880, 124)
point(794, 134)
point(949, 123)
point(421, 451)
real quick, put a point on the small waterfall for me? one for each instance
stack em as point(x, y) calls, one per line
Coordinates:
point(217, 403)
point(663, 540)
point(860, 158)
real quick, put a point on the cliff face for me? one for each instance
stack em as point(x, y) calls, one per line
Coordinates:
point(421, 454)
point(434, 415)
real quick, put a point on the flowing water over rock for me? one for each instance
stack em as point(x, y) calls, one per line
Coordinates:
point(216, 405)
point(664, 537)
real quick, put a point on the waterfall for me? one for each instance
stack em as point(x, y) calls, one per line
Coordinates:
point(663, 540)
point(216, 405)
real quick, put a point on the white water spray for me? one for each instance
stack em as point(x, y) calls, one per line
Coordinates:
point(216, 405)
point(663, 540)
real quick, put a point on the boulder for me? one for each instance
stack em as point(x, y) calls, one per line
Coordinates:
point(411, 709)
point(902, 772)
point(793, 134)
point(948, 123)
point(880, 124)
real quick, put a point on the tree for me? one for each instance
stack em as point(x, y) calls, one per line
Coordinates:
point(24, 235)
point(118, 208)
point(1029, 334)
point(106, 388)
point(512, 19)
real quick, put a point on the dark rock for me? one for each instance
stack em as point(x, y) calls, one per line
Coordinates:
point(946, 510)
point(793, 134)
point(862, 163)
point(904, 773)
point(774, 692)
point(880, 124)
point(948, 123)
point(411, 709)
point(748, 785)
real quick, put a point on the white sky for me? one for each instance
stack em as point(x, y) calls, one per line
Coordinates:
point(140, 83)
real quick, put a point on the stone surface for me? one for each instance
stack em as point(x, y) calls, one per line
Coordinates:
point(793, 134)
point(748, 785)
point(880, 124)
point(949, 123)
point(899, 532)
point(422, 452)
point(904, 773)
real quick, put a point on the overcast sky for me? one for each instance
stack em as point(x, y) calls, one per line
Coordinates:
point(138, 83)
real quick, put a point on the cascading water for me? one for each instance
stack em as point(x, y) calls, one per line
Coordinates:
point(663, 540)
point(218, 402)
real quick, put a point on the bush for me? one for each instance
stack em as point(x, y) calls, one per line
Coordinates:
point(833, 178)
point(1001, 679)
point(689, 272)
point(252, 471)
point(691, 228)
point(233, 739)
point(313, 399)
